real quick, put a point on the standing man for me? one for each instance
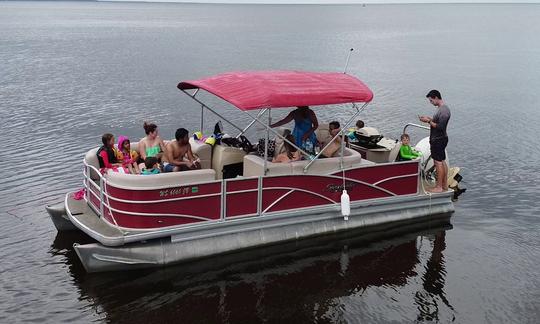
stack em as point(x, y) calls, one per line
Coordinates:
point(438, 139)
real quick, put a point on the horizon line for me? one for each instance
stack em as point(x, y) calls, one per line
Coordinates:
point(328, 2)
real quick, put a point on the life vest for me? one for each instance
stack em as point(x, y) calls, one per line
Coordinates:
point(110, 154)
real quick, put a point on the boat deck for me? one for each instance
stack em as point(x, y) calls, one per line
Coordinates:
point(81, 213)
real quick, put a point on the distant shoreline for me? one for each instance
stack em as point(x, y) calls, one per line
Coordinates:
point(328, 2)
point(315, 2)
point(302, 2)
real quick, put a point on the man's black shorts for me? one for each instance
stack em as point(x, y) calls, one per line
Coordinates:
point(437, 148)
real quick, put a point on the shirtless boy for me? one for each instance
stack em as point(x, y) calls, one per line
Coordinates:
point(179, 156)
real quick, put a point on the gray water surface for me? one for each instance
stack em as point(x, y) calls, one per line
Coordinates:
point(70, 71)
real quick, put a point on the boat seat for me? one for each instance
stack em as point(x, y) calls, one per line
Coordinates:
point(91, 159)
point(203, 151)
point(351, 158)
point(168, 179)
point(254, 165)
point(394, 153)
point(323, 133)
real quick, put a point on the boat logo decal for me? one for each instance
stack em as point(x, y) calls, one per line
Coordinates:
point(338, 188)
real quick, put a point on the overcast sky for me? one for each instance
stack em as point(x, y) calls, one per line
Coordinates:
point(343, 1)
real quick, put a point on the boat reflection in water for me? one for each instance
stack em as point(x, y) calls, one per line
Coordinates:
point(301, 281)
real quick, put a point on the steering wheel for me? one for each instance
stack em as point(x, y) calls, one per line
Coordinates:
point(245, 144)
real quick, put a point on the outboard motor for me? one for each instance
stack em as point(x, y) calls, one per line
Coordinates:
point(428, 168)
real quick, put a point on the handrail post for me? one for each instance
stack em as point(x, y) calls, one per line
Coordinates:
point(342, 147)
point(259, 195)
point(266, 144)
point(101, 196)
point(223, 214)
point(86, 179)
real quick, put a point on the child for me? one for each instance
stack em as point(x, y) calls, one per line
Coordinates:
point(127, 156)
point(107, 154)
point(151, 166)
point(406, 152)
point(351, 131)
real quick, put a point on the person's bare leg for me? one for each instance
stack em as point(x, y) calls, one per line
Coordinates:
point(136, 168)
point(130, 168)
point(440, 175)
point(445, 177)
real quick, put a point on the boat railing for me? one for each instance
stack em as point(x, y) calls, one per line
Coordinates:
point(100, 199)
point(414, 125)
point(89, 185)
point(98, 193)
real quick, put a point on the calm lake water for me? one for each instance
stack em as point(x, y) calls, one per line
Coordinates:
point(70, 71)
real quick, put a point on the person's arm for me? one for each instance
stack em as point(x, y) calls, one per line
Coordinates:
point(284, 121)
point(441, 123)
point(142, 149)
point(424, 119)
point(105, 157)
point(331, 149)
point(134, 156)
point(431, 123)
point(314, 123)
point(428, 120)
point(119, 156)
point(189, 154)
point(297, 156)
point(162, 145)
point(280, 158)
point(180, 160)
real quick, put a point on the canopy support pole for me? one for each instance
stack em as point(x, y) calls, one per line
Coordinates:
point(251, 123)
point(269, 129)
point(212, 110)
point(358, 111)
point(202, 120)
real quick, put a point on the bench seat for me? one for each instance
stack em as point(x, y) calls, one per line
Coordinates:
point(254, 165)
point(168, 179)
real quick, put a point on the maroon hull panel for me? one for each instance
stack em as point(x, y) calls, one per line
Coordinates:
point(165, 193)
point(241, 204)
point(198, 203)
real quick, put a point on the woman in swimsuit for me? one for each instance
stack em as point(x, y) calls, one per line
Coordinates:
point(152, 144)
point(290, 153)
point(305, 124)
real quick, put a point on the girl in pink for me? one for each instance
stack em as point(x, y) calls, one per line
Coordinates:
point(127, 156)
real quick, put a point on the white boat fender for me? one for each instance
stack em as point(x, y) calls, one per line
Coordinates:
point(345, 205)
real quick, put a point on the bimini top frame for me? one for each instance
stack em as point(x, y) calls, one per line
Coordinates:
point(281, 89)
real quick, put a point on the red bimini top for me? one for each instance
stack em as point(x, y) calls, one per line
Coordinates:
point(278, 89)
